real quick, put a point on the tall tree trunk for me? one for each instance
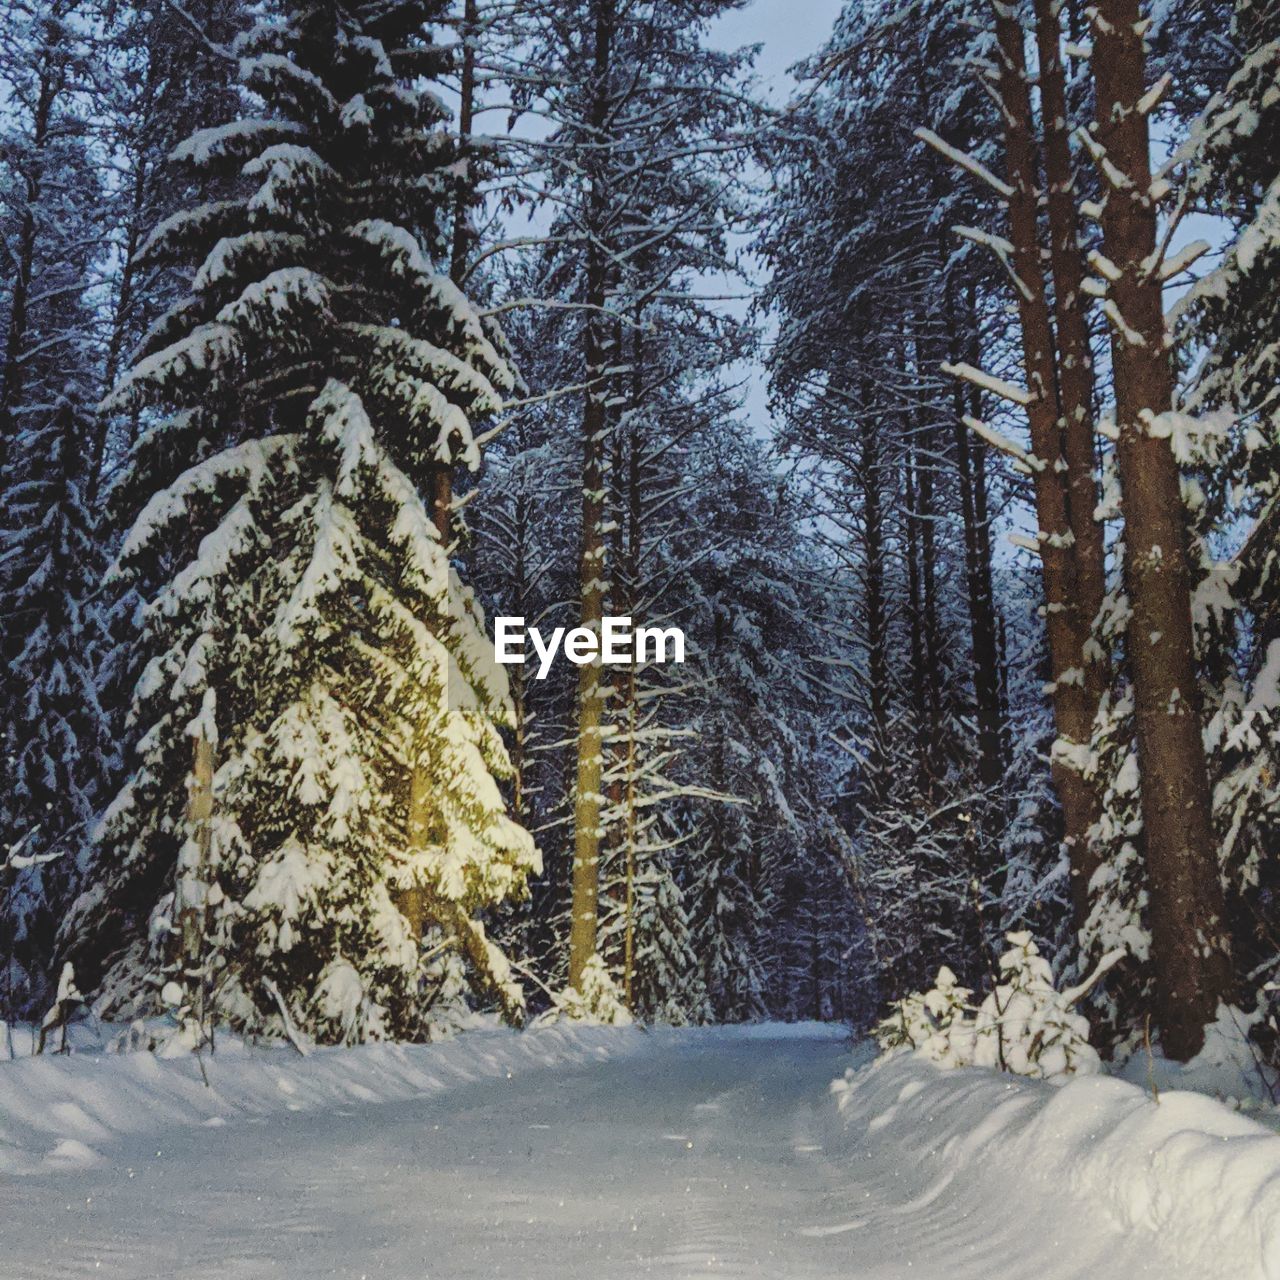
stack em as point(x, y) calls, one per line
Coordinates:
point(413, 900)
point(585, 898)
point(464, 193)
point(121, 314)
point(615, 852)
point(629, 598)
point(915, 623)
point(440, 479)
point(1075, 357)
point(977, 559)
point(23, 259)
point(1066, 622)
point(521, 534)
point(873, 543)
point(1075, 384)
point(1190, 951)
point(192, 890)
point(925, 510)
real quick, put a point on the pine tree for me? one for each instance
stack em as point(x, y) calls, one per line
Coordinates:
point(317, 717)
point(639, 169)
point(1190, 948)
point(163, 73)
point(1058, 402)
point(872, 302)
point(53, 740)
point(1231, 317)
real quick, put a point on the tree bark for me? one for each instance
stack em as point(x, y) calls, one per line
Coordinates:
point(873, 541)
point(630, 534)
point(1066, 621)
point(585, 897)
point(464, 193)
point(1075, 386)
point(977, 557)
point(1189, 947)
point(192, 890)
point(440, 479)
point(521, 522)
point(925, 511)
point(51, 81)
point(411, 900)
point(915, 620)
point(1075, 357)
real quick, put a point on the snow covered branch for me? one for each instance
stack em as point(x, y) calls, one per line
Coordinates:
point(966, 162)
point(988, 382)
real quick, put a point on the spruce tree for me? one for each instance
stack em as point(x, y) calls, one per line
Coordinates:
point(54, 747)
point(1231, 318)
point(317, 719)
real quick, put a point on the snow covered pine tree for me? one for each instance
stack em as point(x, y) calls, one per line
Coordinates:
point(53, 739)
point(307, 640)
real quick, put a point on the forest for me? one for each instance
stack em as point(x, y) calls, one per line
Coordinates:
point(936, 400)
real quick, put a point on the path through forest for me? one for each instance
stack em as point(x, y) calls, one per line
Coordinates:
point(704, 1153)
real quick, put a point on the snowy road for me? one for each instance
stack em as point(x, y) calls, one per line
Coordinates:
point(700, 1154)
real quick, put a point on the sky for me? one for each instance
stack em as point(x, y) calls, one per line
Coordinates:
point(786, 31)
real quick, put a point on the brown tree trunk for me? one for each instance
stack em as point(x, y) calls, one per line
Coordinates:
point(23, 259)
point(925, 511)
point(440, 479)
point(519, 689)
point(630, 529)
point(585, 897)
point(191, 910)
point(1066, 621)
point(617, 753)
point(915, 624)
point(1190, 951)
point(977, 557)
point(414, 901)
point(464, 194)
point(1075, 381)
point(873, 541)
point(1075, 358)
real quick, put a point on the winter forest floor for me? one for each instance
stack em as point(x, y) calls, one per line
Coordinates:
point(596, 1154)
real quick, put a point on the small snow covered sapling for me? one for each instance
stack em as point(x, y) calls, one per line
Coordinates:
point(598, 1001)
point(935, 1023)
point(65, 1003)
point(1025, 1025)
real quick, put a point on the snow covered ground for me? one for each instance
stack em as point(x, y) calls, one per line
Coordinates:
point(593, 1154)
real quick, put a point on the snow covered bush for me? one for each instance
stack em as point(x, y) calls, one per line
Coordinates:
point(599, 1000)
point(934, 1022)
point(1025, 1025)
point(317, 708)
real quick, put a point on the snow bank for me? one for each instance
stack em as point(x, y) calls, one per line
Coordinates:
point(56, 1110)
point(1228, 1067)
point(1198, 1181)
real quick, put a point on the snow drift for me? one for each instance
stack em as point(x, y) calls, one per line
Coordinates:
point(55, 1109)
point(1197, 1180)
